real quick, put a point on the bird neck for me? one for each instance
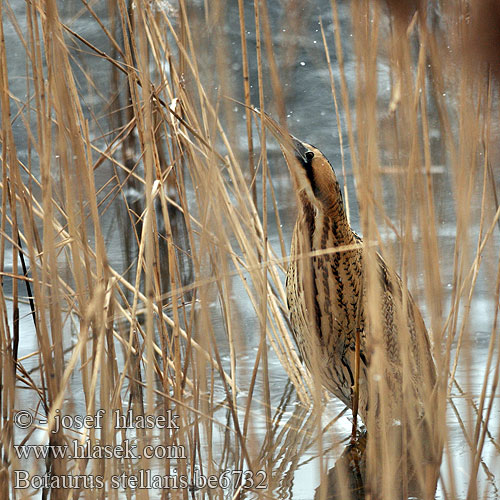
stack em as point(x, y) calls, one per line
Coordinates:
point(327, 220)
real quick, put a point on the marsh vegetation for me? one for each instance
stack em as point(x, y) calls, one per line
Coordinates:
point(145, 226)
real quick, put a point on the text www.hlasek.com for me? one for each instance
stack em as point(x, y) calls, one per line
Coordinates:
point(143, 479)
point(87, 450)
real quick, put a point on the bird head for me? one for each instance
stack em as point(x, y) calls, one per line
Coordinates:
point(312, 173)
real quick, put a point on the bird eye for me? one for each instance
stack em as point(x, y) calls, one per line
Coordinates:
point(309, 155)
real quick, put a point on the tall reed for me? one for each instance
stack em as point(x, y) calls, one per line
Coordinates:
point(145, 224)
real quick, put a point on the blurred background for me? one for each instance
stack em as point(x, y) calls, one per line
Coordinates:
point(147, 216)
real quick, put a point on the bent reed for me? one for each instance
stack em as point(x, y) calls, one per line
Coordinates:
point(145, 225)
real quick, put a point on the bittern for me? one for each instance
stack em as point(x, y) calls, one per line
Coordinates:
point(327, 291)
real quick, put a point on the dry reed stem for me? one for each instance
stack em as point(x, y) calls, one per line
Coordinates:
point(144, 333)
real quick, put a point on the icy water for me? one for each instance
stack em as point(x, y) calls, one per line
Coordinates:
point(311, 117)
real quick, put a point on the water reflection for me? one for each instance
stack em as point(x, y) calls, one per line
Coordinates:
point(290, 441)
point(347, 479)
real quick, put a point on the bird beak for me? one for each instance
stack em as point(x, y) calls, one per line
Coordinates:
point(288, 143)
point(285, 140)
point(299, 149)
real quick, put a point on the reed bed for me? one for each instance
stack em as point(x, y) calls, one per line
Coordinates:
point(145, 224)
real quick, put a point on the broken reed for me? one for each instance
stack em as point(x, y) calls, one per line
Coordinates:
point(157, 170)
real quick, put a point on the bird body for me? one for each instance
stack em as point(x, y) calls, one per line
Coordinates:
point(323, 294)
point(327, 294)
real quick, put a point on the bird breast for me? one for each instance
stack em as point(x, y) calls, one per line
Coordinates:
point(324, 292)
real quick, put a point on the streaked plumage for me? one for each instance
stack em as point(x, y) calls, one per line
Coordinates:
point(327, 300)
